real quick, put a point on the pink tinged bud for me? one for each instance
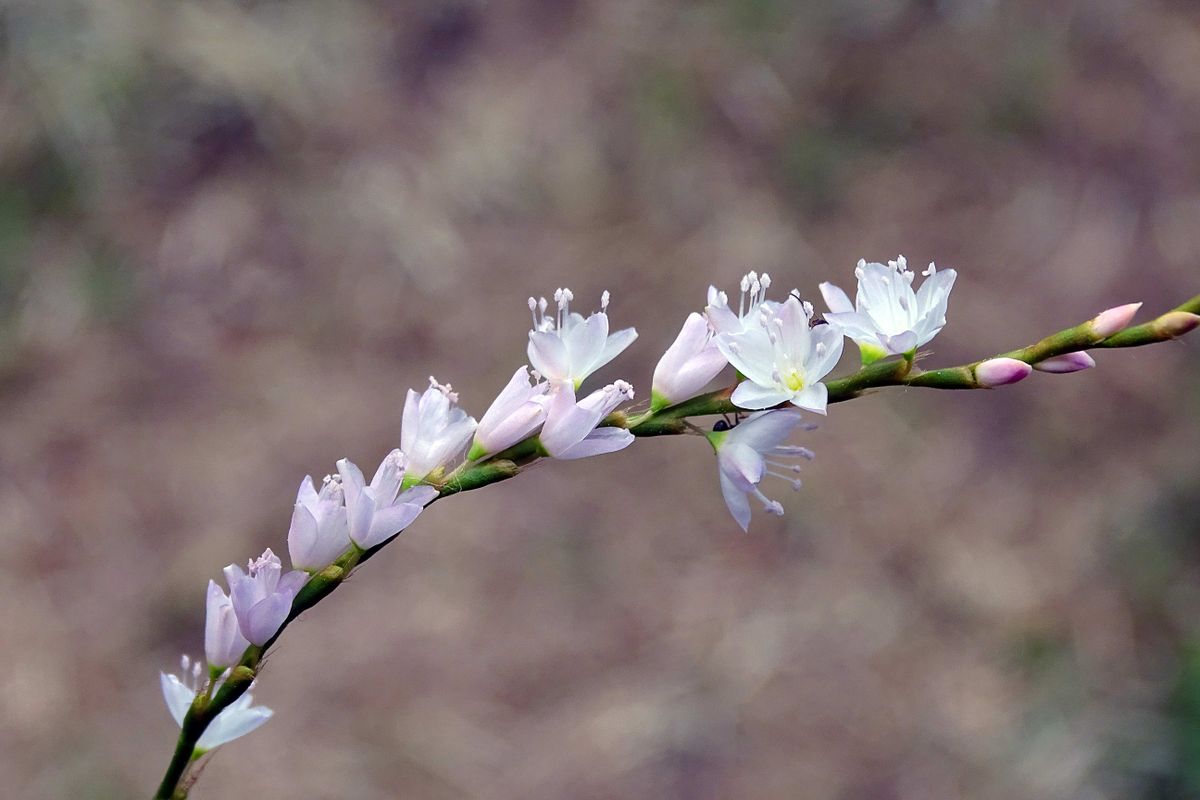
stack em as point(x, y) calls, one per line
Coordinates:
point(1109, 322)
point(1001, 372)
point(1068, 362)
point(1176, 323)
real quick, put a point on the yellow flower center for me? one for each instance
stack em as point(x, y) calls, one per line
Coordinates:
point(794, 381)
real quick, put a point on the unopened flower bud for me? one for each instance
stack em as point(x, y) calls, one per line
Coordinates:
point(1176, 323)
point(1067, 362)
point(1109, 322)
point(1001, 372)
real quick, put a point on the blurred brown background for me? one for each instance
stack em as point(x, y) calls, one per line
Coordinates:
point(233, 233)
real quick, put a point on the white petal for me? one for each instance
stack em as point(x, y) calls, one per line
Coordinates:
point(307, 493)
point(736, 500)
point(900, 343)
point(233, 723)
point(243, 592)
point(818, 366)
point(751, 353)
point(766, 429)
point(178, 697)
point(752, 396)
point(858, 327)
point(689, 341)
point(514, 395)
point(291, 583)
point(388, 477)
point(585, 344)
point(390, 521)
point(812, 398)
point(265, 617)
point(302, 539)
point(599, 442)
point(835, 298)
point(689, 363)
point(566, 422)
point(419, 495)
point(934, 293)
point(722, 319)
point(410, 426)
point(352, 481)
point(360, 518)
point(616, 344)
point(795, 337)
point(741, 464)
point(548, 355)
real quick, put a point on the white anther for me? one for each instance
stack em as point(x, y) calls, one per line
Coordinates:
point(930, 271)
point(604, 298)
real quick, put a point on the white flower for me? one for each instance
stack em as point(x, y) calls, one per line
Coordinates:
point(742, 463)
point(379, 511)
point(570, 430)
point(223, 639)
point(262, 596)
point(567, 348)
point(319, 532)
point(751, 303)
point(689, 364)
point(889, 318)
point(782, 358)
point(234, 721)
point(514, 415)
point(434, 431)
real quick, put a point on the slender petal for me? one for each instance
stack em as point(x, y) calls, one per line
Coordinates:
point(229, 726)
point(223, 640)
point(599, 442)
point(616, 344)
point(837, 300)
point(751, 396)
point(812, 398)
point(549, 356)
point(389, 521)
point(177, 696)
point(737, 502)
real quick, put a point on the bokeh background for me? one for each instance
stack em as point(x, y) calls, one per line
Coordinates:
point(232, 234)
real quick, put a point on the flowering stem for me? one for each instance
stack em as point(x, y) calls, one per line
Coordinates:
point(669, 421)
